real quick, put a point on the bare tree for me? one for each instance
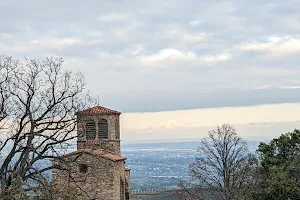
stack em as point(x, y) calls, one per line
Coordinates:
point(38, 105)
point(7, 65)
point(188, 191)
point(223, 165)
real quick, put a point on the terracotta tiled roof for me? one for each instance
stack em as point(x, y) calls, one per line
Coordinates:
point(98, 152)
point(98, 110)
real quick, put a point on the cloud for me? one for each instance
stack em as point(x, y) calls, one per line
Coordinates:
point(51, 44)
point(151, 56)
point(276, 86)
point(54, 42)
point(194, 38)
point(278, 46)
point(169, 56)
point(195, 23)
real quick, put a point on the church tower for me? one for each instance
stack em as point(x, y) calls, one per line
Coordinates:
point(99, 128)
point(96, 170)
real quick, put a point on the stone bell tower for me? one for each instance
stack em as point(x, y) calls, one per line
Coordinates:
point(96, 170)
point(99, 128)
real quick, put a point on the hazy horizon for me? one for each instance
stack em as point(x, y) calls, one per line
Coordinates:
point(261, 122)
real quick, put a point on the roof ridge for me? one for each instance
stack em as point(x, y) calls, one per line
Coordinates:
point(98, 110)
point(101, 153)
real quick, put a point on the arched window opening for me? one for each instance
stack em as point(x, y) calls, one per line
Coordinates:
point(103, 129)
point(90, 130)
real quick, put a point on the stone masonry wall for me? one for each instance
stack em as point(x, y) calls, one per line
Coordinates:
point(112, 143)
point(112, 146)
point(101, 182)
point(127, 179)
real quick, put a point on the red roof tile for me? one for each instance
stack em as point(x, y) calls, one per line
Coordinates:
point(98, 110)
point(98, 152)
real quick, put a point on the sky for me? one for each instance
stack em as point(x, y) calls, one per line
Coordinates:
point(253, 123)
point(168, 56)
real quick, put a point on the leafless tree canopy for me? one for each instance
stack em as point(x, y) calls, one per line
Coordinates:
point(38, 105)
point(223, 164)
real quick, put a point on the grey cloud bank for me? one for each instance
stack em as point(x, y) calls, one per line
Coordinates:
point(143, 56)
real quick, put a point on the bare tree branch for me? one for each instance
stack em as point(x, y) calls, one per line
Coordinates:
point(38, 106)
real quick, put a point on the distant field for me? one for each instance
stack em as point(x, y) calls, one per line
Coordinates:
point(163, 196)
point(161, 165)
point(146, 183)
point(168, 195)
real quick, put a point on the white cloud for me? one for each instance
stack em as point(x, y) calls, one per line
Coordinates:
point(290, 87)
point(134, 50)
point(278, 46)
point(54, 42)
point(195, 23)
point(44, 44)
point(172, 56)
point(276, 86)
point(193, 38)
